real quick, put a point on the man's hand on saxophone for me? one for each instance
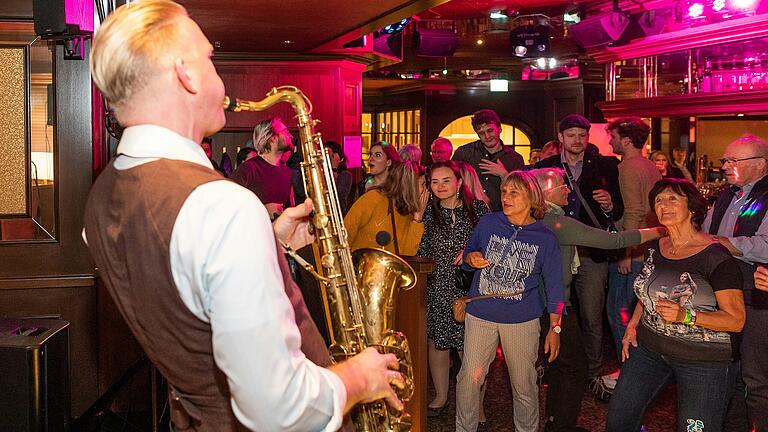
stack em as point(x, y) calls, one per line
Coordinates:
point(369, 376)
point(292, 226)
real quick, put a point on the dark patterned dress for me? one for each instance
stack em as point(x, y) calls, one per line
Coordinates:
point(442, 243)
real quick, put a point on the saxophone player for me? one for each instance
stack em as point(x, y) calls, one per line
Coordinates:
point(191, 259)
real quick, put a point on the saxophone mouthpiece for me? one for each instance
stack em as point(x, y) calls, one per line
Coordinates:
point(230, 104)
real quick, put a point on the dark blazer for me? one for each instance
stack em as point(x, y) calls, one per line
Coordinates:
point(598, 172)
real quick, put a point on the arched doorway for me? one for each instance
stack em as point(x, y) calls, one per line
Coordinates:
point(460, 132)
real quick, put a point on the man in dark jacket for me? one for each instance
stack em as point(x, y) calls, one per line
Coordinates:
point(489, 156)
point(597, 179)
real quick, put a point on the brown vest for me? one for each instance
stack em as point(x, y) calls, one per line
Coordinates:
point(129, 220)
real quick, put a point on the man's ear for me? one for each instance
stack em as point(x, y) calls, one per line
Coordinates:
point(183, 76)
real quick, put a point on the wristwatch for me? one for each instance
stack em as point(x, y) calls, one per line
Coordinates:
point(556, 328)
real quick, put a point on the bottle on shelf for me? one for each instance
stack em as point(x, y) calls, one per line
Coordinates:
point(694, 78)
point(717, 78)
point(705, 83)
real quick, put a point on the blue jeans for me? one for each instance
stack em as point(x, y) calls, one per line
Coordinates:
point(621, 301)
point(702, 392)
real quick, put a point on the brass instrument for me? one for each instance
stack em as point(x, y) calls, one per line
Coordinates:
point(359, 289)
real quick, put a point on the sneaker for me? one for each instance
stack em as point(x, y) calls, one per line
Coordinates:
point(610, 380)
point(600, 389)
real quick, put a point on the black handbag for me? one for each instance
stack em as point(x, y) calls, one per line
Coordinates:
point(463, 278)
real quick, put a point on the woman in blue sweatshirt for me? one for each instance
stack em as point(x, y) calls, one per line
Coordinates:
point(518, 259)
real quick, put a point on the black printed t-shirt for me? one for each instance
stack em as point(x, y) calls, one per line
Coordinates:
point(691, 282)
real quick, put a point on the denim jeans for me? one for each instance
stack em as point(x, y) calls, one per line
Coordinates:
point(589, 286)
point(702, 392)
point(621, 301)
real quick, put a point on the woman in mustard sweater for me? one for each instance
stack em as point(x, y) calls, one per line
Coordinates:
point(402, 198)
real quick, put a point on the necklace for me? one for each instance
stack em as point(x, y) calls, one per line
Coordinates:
point(674, 250)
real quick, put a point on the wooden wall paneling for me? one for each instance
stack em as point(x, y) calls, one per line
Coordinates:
point(56, 277)
point(68, 255)
point(323, 82)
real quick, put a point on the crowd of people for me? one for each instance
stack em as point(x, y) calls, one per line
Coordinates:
point(544, 251)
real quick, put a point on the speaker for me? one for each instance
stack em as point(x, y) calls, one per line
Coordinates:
point(434, 42)
point(530, 40)
point(62, 18)
point(35, 378)
point(600, 29)
point(389, 44)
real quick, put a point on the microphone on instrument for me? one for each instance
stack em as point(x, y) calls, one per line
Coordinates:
point(383, 238)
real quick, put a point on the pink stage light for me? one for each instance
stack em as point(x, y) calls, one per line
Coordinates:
point(696, 9)
point(743, 4)
point(718, 5)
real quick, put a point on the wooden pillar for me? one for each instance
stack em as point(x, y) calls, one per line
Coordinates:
point(411, 319)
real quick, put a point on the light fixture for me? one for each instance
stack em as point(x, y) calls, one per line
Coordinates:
point(552, 63)
point(530, 40)
point(520, 51)
point(695, 10)
point(499, 85)
point(572, 17)
point(396, 27)
point(498, 15)
point(718, 5)
point(541, 62)
point(480, 42)
point(743, 4)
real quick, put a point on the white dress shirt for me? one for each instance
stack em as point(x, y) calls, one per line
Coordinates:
point(224, 263)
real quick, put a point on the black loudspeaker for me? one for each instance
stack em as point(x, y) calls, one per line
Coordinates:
point(62, 18)
point(50, 17)
point(35, 394)
point(600, 29)
point(389, 44)
point(530, 40)
point(434, 42)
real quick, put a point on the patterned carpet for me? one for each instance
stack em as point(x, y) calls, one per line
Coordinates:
point(498, 406)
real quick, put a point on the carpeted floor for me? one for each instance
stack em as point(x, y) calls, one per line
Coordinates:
point(661, 417)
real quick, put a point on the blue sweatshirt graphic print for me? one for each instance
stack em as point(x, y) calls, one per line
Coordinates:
point(524, 263)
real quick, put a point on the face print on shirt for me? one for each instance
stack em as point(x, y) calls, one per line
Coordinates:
point(686, 288)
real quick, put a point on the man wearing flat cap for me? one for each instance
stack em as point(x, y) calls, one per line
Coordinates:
point(594, 199)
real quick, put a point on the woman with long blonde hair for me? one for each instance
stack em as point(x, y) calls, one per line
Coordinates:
point(396, 207)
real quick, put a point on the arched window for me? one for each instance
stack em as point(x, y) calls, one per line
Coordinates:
point(460, 132)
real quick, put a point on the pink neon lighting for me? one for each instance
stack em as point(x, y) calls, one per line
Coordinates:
point(743, 4)
point(695, 10)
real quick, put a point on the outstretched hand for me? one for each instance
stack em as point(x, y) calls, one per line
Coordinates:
point(476, 260)
point(292, 226)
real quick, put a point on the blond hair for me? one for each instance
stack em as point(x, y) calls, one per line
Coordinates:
point(544, 175)
point(132, 45)
point(524, 180)
point(402, 187)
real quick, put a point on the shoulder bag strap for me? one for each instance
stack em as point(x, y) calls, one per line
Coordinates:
point(394, 226)
point(575, 187)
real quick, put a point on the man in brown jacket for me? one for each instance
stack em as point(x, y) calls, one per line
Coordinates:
point(637, 175)
point(191, 259)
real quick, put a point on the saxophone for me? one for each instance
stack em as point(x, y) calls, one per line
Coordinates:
point(359, 288)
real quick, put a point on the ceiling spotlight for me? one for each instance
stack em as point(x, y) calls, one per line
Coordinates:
point(541, 62)
point(695, 10)
point(396, 27)
point(552, 63)
point(521, 51)
point(718, 5)
point(479, 42)
point(571, 18)
point(498, 15)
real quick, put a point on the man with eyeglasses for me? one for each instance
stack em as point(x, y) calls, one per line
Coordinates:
point(737, 220)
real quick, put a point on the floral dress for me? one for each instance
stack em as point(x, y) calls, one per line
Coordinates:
point(442, 243)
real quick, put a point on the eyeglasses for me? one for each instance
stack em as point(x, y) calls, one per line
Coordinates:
point(558, 187)
point(735, 160)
